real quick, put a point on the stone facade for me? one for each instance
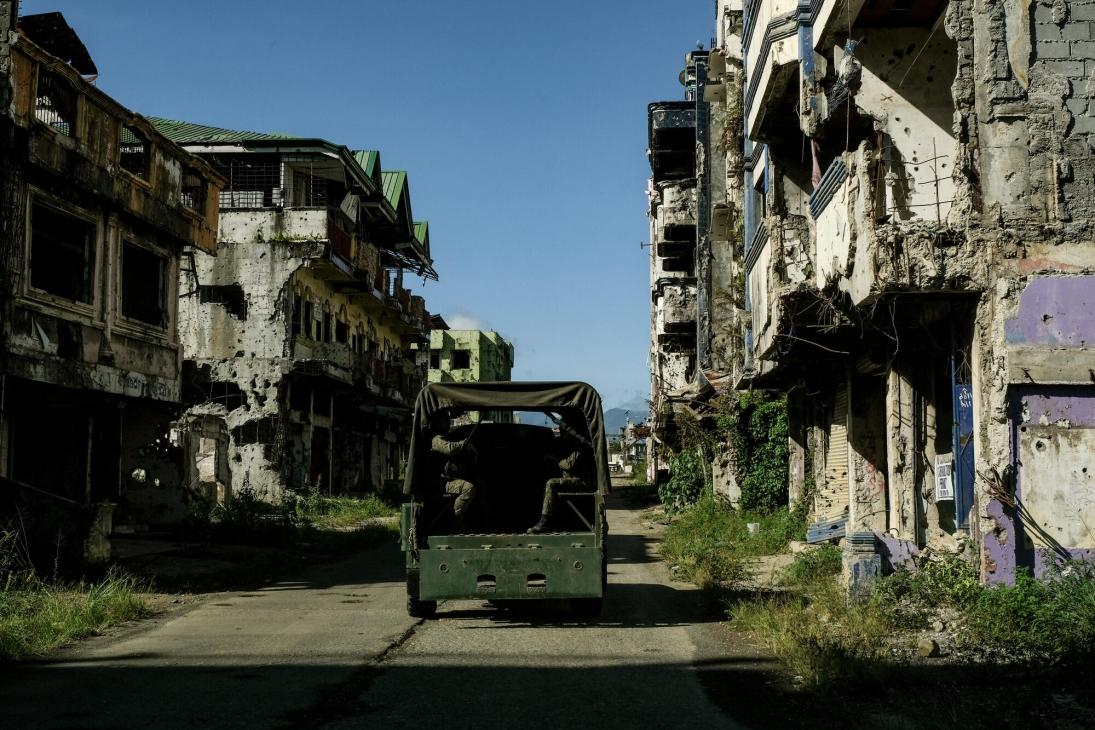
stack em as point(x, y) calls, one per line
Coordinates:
point(921, 267)
point(300, 339)
point(98, 210)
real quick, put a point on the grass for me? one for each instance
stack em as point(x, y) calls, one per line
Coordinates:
point(36, 616)
point(341, 513)
point(829, 640)
point(711, 542)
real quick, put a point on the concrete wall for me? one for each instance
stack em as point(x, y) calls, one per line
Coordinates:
point(490, 357)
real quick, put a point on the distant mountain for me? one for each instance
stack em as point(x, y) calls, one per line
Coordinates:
point(616, 419)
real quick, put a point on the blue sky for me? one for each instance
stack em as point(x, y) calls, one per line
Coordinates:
point(522, 125)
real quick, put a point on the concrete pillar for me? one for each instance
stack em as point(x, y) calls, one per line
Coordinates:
point(900, 453)
point(866, 455)
point(796, 446)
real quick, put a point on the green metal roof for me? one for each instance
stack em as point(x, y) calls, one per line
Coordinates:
point(369, 161)
point(187, 133)
point(422, 235)
point(395, 184)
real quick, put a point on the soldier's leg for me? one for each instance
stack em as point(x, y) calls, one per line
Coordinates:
point(464, 492)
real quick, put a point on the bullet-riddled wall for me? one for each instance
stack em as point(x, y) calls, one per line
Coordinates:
point(468, 356)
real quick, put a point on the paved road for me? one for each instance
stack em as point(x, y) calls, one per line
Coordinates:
point(336, 650)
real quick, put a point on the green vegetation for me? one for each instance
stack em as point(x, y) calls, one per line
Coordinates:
point(827, 639)
point(37, 616)
point(687, 481)
point(308, 517)
point(710, 542)
point(341, 513)
point(754, 427)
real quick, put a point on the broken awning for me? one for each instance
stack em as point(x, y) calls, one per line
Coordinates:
point(579, 397)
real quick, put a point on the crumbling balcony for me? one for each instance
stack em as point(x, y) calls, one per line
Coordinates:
point(675, 226)
point(675, 318)
point(771, 49)
point(672, 140)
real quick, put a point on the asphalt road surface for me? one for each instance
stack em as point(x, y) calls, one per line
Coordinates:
point(335, 649)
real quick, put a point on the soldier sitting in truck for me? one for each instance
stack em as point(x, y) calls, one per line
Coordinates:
point(459, 457)
point(569, 458)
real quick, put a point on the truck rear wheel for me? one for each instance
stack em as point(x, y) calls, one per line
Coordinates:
point(417, 608)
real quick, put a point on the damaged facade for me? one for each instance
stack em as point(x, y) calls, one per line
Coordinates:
point(918, 193)
point(695, 214)
point(469, 356)
point(98, 209)
point(302, 343)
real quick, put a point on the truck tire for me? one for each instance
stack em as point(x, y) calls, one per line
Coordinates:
point(417, 608)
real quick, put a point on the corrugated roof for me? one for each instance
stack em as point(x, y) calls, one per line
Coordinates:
point(368, 160)
point(395, 182)
point(188, 133)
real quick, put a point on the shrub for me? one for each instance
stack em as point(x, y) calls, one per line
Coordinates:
point(813, 566)
point(686, 482)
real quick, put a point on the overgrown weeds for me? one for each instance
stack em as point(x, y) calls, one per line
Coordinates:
point(37, 615)
point(828, 639)
point(711, 542)
point(249, 520)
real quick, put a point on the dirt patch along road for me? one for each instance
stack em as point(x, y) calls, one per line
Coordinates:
point(335, 649)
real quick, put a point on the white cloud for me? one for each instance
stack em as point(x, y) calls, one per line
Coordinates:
point(465, 321)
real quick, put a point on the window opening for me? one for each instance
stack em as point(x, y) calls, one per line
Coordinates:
point(461, 359)
point(254, 180)
point(229, 296)
point(62, 254)
point(135, 153)
point(342, 332)
point(144, 285)
point(55, 103)
point(435, 359)
point(193, 190)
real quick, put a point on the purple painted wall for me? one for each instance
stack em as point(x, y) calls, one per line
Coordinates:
point(1050, 404)
point(1057, 311)
point(1075, 404)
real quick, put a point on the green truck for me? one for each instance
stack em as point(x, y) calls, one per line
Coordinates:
point(504, 495)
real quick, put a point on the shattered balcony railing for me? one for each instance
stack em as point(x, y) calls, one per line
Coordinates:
point(676, 312)
point(676, 222)
point(672, 140)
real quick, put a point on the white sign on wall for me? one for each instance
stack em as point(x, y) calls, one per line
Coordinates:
point(944, 478)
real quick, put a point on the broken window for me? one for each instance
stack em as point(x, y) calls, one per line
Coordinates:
point(144, 285)
point(62, 254)
point(254, 180)
point(435, 359)
point(461, 359)
point(297, 314)
point(135, 152)
point(342, 332)
point(325, 327)
point(309, 319)
point(193, 190)
point(229, 296)
point(55, 103)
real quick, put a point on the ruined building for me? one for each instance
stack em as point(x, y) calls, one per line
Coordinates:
point(301, 340)
point(467, 356)
point(471, 356)
point(97, 209)
point(920, 268)
point(695, 202)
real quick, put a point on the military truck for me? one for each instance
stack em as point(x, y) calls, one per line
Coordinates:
point(504, 495)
